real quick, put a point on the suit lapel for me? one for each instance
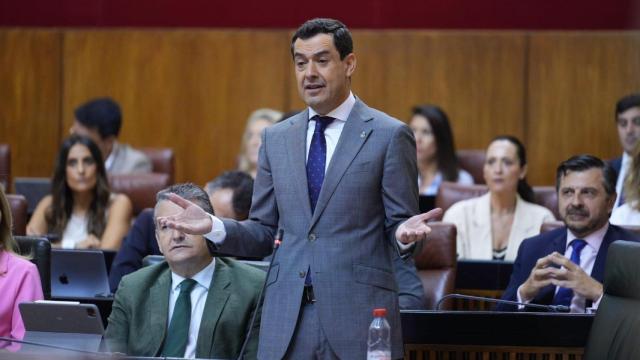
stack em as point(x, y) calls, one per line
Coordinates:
point(354, 134)
point(297, 150)
point(158, 310)
point(216, 301)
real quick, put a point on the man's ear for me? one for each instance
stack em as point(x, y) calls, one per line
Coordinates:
point(350, 63)
point(155, 232)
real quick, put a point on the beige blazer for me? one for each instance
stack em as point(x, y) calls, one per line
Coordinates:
point(472, 218)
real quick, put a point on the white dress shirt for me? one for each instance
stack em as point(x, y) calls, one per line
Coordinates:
point(626, 163)
point(587, 260)
point(198, 299)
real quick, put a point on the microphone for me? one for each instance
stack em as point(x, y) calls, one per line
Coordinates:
point(8, 339)
point(276, 245)
point(551, 308)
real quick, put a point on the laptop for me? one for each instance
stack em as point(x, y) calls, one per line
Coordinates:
point(33, 189)
point(78, 274)
point(61, 327)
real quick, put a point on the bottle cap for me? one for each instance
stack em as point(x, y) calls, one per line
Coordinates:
point(380, 312)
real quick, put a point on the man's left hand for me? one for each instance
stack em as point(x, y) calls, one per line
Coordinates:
point(415, 228)
point(572, 276)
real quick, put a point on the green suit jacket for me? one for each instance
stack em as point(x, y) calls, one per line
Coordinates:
point(138, 321)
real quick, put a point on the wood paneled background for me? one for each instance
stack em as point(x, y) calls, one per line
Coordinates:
point(192, 90)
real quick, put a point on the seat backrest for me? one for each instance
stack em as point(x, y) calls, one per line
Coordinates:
point(152, 260)
point(5, 166)
point(436, 262)
point(547, 196)
point(162, 161)
point(18, 205)
point(473, 162)
point(552, 225)
point(140, 188)
point(39, 250)
point(450, 193)
point(616, 327)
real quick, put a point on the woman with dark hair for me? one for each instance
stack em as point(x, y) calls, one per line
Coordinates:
point(492, 226)
point(435, 148)
point(19, 278)
point(81, 211)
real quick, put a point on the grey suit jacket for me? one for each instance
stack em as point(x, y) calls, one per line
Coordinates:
point(138, 321)
point(368, 190)
point(127, 160)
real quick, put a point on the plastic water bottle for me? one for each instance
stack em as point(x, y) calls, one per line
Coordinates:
point(379, 343)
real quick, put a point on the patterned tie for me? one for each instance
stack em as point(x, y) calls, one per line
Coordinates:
point(175, 343)
point(564, 295)
point(316, 161)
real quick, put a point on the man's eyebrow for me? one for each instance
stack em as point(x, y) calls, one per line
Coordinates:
point(319, 53)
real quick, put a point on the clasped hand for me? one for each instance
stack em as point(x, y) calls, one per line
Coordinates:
point(569, 275)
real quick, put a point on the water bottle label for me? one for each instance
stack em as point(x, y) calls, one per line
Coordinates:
point(379, 355)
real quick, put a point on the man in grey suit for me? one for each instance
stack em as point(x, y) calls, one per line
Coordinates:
point(101, 119)
point(339, 180)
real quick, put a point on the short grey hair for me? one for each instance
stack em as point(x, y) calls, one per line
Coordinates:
point(189, 191)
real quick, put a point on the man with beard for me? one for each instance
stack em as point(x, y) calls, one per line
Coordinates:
point(566, 266)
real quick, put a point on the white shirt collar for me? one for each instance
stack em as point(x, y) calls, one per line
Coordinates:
point(594, 240)
point(341, 112)
point(203, 278)
point(626, 160)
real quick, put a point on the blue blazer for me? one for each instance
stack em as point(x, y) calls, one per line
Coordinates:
point(616, 164)
point(542, 245)
point(139, 242)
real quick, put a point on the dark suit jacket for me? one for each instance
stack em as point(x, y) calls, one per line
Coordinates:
point(139, 242)
point(138, 320)
point(616, 164)
point(542, 245)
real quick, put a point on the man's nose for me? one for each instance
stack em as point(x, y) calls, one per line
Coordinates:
point(311, 70)
point(177, 236)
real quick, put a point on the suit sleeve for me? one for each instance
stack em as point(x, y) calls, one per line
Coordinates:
point(117, 333)
point(254, 236)
point(135, 247)
point(399, 183)
point(518, 276)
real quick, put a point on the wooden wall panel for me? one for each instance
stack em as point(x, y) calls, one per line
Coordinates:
point(30, 98)
point(193, 89)
point(189, 90)
point(575, 80)
point(477, 78)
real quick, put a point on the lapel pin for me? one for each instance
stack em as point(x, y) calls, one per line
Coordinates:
point(363, 134)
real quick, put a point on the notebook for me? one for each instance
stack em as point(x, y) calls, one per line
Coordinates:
point(78, 274)
point(57, 327)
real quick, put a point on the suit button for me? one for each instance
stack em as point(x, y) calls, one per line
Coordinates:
point(303, 274)
point(312, 237)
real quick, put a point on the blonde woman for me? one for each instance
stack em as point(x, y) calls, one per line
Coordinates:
point(629, 212)
point(19, 278)
point(251, 141)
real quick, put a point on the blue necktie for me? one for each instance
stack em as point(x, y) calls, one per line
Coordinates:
point(317, 159)
point(564, 295)
point(316, 162)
